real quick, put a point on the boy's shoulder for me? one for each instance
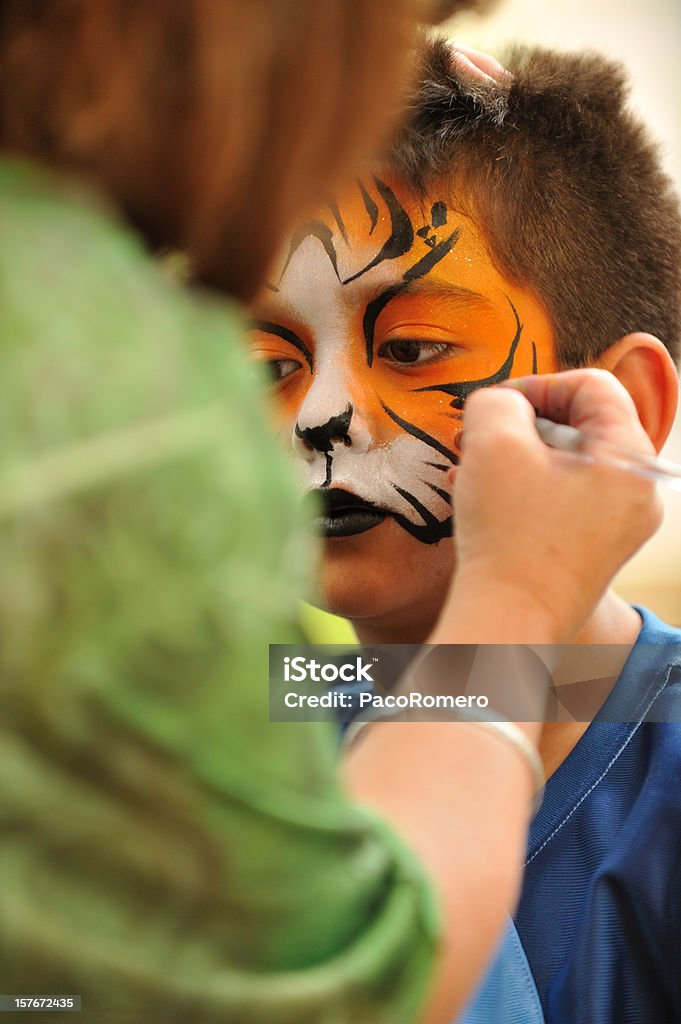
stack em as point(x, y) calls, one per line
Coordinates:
point(598, 916)
point(632, 744)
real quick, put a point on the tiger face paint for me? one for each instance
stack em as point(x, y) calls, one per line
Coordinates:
point(384, 314)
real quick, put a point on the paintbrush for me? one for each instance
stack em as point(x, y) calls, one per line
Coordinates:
point(569, 439)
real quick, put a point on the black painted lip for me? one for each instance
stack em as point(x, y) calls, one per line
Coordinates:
point(348, 523)
point(343, 514)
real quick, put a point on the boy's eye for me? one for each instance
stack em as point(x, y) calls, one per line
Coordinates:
point(406, 351)
point(279, 369)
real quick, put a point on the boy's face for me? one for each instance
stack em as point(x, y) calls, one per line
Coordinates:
point(382, 316)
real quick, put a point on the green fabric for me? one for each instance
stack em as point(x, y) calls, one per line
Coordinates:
point(164, 849)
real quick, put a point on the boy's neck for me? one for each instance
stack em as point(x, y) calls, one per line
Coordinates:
point(410, 626)
point(613, 623)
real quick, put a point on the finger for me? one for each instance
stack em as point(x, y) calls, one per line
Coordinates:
point(463, 65)
point(482, 63)
point(592, 400)
point(496, 415)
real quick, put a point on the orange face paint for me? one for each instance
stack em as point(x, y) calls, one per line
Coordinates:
point(384, 315)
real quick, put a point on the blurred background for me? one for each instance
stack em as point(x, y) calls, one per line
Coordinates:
point(646, 36)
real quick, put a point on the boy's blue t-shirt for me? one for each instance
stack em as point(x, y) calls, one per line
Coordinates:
point(600, 912)
point(599, 919)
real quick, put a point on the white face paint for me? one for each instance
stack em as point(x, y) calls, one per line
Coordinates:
point(385, 314)
point(341, 435)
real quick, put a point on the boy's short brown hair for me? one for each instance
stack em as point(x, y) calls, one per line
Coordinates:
point(565, 183)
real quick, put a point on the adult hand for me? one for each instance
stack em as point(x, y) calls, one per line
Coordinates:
point(540, 532)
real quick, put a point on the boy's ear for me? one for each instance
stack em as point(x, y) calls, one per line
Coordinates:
point(643, 365)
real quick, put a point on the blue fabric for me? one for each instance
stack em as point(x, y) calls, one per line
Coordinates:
point(599, 919)
point(600, 912)
point(508, 994)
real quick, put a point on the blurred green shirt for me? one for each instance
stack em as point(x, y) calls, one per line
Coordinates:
point(165, 850)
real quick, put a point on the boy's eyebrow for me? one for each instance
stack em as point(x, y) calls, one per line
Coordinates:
point(433, 286)
point(439, 287)
point(436, 287)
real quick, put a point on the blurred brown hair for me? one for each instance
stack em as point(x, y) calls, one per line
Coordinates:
point(210, 123)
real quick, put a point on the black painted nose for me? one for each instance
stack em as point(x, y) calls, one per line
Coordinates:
point(322, 438)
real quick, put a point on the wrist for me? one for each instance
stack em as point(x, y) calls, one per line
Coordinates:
point(484, 608)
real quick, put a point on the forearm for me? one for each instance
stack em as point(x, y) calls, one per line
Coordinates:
point(459, 794)
point(482, 609)
point(461, 799)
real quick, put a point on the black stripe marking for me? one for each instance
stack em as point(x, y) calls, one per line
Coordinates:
point(369, 206)
point(285, 335)
point(333, 206)
point(372, 313)
point(419, 269)
point(431, 530)
point(460, 390)
point(432, 258)
point(401, 235)
point(432, 442)
point(312, 229)
point(445, 495)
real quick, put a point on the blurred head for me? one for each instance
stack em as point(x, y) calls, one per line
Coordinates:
point(211, 124)
point(488, 246)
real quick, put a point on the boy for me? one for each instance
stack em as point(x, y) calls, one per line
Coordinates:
point(515, 229)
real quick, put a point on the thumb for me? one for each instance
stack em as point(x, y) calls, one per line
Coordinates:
point(498, 413)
